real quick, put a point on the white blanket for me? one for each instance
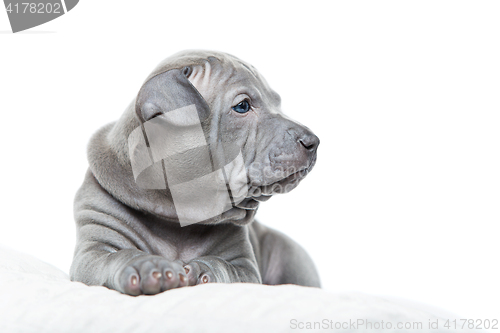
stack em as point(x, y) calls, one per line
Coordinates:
point(37, 297)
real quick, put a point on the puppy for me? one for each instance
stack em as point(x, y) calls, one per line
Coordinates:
point(173, 186)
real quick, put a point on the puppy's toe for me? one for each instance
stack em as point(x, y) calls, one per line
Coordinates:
point(198, 273)
point(151, 278)
point(173, 275)
point(130, 281)
point(192, 270)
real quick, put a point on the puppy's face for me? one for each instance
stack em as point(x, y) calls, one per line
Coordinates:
point(214, 126)
point(277, 151)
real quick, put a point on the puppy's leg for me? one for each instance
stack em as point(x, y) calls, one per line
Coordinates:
point(215, 269)
point(112, 247)
point(281, 259)
point(230, 259)
point(130, 271)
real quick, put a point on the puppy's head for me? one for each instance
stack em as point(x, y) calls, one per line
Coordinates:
point(212, 136)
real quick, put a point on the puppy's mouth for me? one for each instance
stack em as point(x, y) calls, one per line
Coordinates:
point(261, 193)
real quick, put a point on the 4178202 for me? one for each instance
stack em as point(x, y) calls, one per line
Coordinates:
point(478, 324)
point(34, 8)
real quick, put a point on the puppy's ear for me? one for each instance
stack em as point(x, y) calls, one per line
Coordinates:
point(169, 91)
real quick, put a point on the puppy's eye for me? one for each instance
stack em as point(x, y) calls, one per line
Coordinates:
point(242, 107)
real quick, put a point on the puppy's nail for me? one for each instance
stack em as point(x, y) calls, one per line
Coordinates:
point(156, 275)
point(186, 269)
point(182, 278)
point(134, 280)
point(169, 275)
point(205, 279)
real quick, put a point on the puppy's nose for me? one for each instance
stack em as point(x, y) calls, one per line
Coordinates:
point(309, 141)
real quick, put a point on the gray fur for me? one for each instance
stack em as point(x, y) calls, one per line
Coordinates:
point(129, 239)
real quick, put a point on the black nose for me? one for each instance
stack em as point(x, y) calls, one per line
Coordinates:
point(309, 141)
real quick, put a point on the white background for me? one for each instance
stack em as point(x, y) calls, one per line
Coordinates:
point(404, 199)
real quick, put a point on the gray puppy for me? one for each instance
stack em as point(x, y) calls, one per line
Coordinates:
point(130, 231)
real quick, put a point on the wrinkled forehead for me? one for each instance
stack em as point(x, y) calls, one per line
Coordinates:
point(234, 76)
point(229, 71)
point(217, 69)
point(216, 60)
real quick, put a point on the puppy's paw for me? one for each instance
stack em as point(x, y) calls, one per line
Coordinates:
point(151, 275)
point(198, 273)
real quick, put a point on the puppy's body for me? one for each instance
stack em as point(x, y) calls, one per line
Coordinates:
point(129, 238)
